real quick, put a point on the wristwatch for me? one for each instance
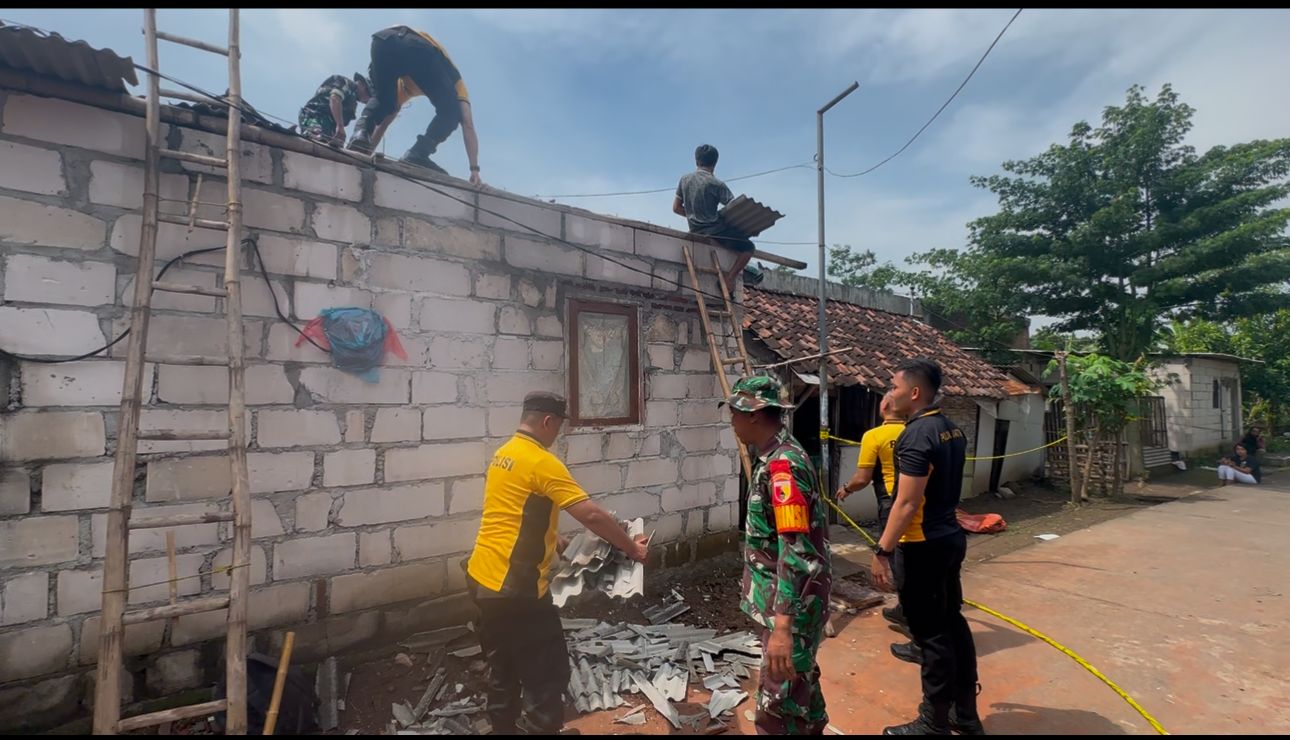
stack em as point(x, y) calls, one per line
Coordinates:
point(877, 550)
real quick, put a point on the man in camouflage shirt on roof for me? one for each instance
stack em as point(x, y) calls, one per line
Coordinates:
point(333, 107)
point(787, 575)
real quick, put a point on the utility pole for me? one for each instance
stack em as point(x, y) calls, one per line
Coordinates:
point(825, 480)
point(1069, 410)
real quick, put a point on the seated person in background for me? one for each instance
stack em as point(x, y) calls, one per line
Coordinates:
point(700, 194)
point(1253, 442)
point(1241, 467)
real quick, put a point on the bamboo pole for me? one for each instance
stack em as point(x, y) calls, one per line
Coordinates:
point(279, 682)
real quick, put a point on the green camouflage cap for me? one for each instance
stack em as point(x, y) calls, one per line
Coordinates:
point(757, 392)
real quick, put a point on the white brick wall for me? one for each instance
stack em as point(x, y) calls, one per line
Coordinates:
point(188, 478)
point(321, 177)
point(315, 556)
point(398, 504)
point(341, 224)
point(48, 331)
point(464, 315)
point(327, 384)
point(279, 471)
point(43, 540)
point(479, 309)
point(24, 599)
point(420, 274)
point(31, 169)
point(454, 422)
point(64, 122)
point(296, 428)
point(349, 467)
point(85, 383)
point(470, 244)
point(51, 435)
point(434, 461)
point(400, 424)
point(71, 486)
point(15, 491)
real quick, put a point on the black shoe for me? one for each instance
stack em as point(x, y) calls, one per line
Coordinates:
point(902, 628)
point(895, 615)
point(421, 160)
point(908, 652)
point(967, 725)
point(920, 726)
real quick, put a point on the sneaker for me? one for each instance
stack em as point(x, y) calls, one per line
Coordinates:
point(908, 652)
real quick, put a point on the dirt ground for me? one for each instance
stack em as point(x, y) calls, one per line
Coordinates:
point(711, 589)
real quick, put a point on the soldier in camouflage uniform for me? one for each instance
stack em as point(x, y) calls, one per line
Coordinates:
point(337, 94)
point(787, 575)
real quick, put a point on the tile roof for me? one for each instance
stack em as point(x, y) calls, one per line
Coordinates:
point(30, 50)
point(878, 340)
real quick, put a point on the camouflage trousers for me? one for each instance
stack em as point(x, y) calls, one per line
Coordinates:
point(322, 131)
point(793, 707)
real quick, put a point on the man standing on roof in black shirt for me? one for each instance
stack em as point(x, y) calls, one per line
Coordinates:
point(930, 455)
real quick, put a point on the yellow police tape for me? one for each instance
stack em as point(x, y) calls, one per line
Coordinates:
point(853, 443)
point(1032, 632)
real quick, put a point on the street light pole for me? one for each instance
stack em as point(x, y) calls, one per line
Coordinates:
point(825, 481)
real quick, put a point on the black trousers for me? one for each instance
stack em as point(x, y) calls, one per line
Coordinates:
point(400, 52)
point(528, 663)
point(931, 593)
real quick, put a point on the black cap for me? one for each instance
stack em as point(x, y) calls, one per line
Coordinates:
point(546, 402)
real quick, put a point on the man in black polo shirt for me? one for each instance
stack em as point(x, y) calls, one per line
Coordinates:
point(930, 455)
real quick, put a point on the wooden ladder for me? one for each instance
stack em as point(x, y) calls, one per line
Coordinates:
point(107, 692)
point(715, 346)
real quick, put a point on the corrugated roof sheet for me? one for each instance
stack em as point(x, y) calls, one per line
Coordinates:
point(29, 50)
point(748, 216)
point(878, 341)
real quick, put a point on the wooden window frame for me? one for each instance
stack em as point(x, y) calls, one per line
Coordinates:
point(632, 313)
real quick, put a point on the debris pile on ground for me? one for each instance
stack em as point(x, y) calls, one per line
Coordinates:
point(592, 564)
point(445, 707)
point(659, 661)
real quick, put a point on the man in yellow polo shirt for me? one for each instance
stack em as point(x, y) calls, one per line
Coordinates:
point(878, 465)
point(519, 627)
point(407, 63)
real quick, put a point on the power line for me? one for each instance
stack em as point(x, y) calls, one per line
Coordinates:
point(804, 165)
point(938, 110)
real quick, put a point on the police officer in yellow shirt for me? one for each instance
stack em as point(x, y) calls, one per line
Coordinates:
point(407, 63)
point(878, 465)
point(519, 628)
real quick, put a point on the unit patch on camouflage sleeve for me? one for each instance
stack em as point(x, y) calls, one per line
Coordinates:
point(791, 514)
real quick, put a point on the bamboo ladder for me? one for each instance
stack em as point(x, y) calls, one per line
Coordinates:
point(107, 693)
point(719, 361)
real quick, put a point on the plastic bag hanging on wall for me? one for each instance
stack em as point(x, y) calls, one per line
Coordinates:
point(357, 338)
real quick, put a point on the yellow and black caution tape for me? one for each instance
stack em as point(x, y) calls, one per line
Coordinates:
point(1030, 631)
point(853, 443)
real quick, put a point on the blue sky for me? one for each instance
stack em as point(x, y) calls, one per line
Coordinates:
point(591, 101)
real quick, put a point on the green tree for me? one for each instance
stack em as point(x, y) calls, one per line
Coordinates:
point(1048, 338)
point(1107, 390)
point(1125, 226)
point(861, 269)
point(1265, 337)
point(955, 288)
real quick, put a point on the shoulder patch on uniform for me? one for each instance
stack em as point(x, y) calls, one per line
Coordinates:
point(791, 515)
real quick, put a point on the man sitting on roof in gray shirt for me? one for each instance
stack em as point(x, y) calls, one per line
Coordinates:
point(698, 197)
